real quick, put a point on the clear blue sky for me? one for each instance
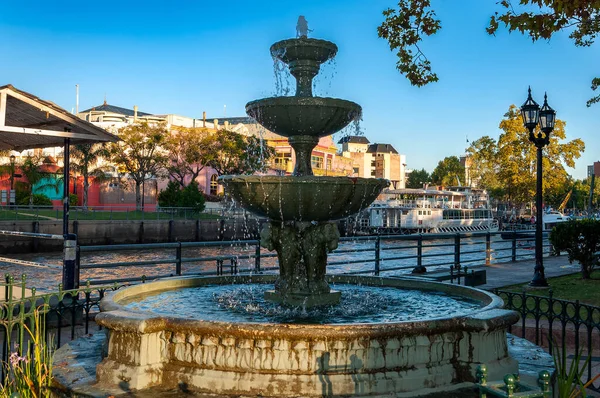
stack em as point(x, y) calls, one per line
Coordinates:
point(186, 57)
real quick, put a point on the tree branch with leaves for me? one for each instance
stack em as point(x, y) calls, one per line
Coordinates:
point(405, 27)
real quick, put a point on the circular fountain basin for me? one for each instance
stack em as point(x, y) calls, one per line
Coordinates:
point(428, 354)
point(307, 198)
point(316, 50)
point(311, 116)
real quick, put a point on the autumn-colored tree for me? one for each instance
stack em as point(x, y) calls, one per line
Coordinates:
point(516, 158)
point(190, 150)
point(139, 154)
point(85, 160)
point(235, 153)
point(417, 178)
point(405, 27)
point(448, 172)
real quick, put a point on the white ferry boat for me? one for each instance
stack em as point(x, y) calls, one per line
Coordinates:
point(457, 209)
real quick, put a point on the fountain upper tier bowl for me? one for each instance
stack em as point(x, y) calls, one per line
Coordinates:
point(307, 198)
point(312, 116)
point(315, 50)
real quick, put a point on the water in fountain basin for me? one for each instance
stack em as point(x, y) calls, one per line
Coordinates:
point(359, 304)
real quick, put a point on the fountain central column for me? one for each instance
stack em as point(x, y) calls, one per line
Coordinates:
point(302, 249)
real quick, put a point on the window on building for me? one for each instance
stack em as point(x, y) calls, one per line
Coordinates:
point(316, 162)
point(355, 170)
point(214, 185)
point(281, 160)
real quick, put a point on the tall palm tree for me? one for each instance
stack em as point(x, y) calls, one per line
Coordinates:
point(31, 169)
point(85, 160)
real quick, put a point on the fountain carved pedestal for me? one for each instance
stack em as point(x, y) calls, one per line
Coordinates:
point(302, 249)
point(302, 206)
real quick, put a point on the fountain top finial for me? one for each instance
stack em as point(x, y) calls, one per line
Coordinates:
point(302, 27)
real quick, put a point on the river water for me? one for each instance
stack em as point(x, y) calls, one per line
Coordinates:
point(438, 256)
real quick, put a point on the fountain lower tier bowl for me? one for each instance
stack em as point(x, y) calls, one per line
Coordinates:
point(306, 198)
point(315, 50)
point(310, 116)
point(426, 354)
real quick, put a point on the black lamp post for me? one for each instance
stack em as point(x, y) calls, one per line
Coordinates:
point(532, 115)
point(12, 178)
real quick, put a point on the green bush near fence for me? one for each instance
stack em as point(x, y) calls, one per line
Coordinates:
point(190, 196)
point(581, 240)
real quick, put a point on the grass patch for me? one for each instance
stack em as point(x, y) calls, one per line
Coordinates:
point(567, 287)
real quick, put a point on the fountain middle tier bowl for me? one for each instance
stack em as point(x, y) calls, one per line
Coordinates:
point(315, 50)
point(306, 198)
point(312, 116)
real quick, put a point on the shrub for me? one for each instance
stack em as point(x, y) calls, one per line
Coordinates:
point(73, 199)
point(581, 240)
point(174, 196)
point(39, 199)
point(169, 197)
point(191, 196)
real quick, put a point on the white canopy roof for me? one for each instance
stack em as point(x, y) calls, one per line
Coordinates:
point(29, 122)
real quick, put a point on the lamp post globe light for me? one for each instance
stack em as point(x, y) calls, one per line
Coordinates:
point(545, 117)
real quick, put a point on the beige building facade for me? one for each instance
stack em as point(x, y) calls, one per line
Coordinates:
point(375, 160)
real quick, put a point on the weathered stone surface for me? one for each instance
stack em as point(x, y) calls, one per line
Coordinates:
point(290, 359)
point(75, 373)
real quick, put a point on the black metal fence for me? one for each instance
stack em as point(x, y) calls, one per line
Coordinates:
point(65, 315)
point(554, 323)
point(375, 255)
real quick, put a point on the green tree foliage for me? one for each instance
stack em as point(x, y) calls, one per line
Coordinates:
point(189, 196)
point(235, 153)
point(417, 178)
point(190, 150)
point(139, 154)
point(405, 27)
point(580, 239)
point(448, 172)
point(85, 160)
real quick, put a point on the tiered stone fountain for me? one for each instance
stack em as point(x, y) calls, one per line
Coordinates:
point(219, 351)
point(300, 207)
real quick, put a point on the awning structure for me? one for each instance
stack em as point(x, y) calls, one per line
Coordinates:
point(27, 121)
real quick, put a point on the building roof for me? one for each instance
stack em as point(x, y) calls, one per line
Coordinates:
point(234, 120)
point(27, 121)
point(354, 139)
point(115, 109)
point(381, 148)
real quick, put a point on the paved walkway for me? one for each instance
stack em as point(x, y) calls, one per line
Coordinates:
point(514, 273)
point(506, 274)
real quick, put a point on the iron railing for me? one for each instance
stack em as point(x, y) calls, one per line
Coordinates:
point(376, 255)
point(113, 212)
point(65, 315)
point(555, 323)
